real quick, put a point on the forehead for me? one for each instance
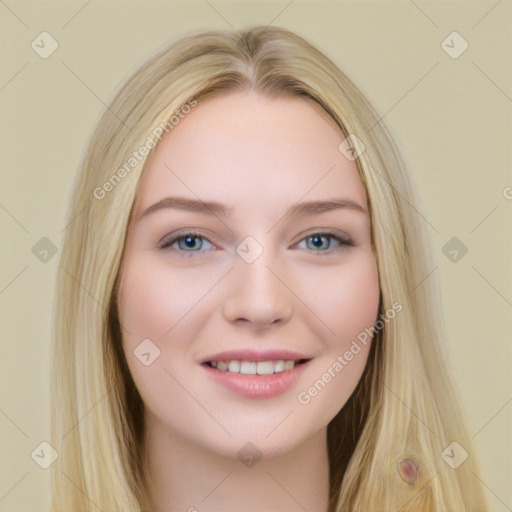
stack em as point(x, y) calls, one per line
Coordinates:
point(247, 150)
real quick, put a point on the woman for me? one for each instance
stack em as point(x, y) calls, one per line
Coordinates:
point(243, 320)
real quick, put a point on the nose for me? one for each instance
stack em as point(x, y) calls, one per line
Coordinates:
point(257, 295)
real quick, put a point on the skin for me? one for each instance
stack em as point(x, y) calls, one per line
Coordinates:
point(258, 156)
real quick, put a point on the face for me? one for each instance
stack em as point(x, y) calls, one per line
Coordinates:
point(248, 273)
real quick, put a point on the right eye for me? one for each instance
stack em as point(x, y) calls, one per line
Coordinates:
point(187, 242)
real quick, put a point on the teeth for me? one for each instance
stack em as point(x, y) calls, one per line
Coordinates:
point(234, 367)
point(254, 368)
point(279, 366)
point(248, 367)
point(288, 365)
point(265, 368)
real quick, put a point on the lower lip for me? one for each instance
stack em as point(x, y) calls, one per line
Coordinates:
point(256, 386)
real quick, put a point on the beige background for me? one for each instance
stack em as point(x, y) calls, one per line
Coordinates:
point(451, 116)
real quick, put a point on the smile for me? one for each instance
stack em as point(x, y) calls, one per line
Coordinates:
point(255, 367)
point(256, 379)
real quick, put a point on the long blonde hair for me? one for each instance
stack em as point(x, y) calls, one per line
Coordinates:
point(405, 406)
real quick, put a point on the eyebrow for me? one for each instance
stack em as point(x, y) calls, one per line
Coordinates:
point(221, 210)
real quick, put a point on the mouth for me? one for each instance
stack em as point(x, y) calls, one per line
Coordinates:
point(256, 375)
point(245, 367)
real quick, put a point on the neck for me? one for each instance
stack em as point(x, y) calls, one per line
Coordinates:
point(187, 477)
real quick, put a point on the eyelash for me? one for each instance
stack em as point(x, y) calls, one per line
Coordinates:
point(344, 243)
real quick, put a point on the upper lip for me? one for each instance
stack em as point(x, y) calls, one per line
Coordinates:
point(257, 355)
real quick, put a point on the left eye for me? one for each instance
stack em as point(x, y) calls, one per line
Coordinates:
point(322, 241)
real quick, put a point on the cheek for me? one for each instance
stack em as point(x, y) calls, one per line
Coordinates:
point(160, 305)
point(359, 297)
point(156, 304)
point(154, 299)
point(349, 306)
point(348, 300)
point(353, 314)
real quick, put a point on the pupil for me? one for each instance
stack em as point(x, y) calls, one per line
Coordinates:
point(190, 241)
point(317, 241)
